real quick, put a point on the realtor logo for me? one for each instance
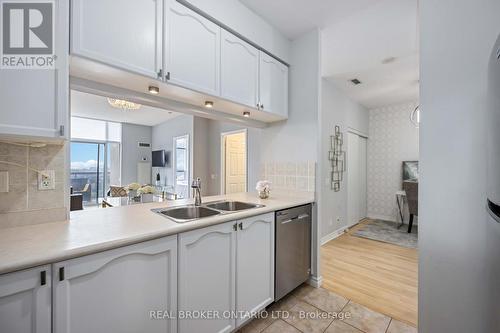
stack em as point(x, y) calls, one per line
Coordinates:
point(27, 35)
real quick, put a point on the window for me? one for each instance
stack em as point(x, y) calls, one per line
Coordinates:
point(95, 158)
point(181, 166)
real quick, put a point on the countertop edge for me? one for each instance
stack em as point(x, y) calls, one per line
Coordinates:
point(52, 258)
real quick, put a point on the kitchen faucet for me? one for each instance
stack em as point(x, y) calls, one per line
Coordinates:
point(196, 186)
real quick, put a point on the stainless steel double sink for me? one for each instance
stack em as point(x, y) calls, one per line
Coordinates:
point(189, 213)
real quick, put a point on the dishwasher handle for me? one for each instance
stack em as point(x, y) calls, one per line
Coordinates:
point(296, 218)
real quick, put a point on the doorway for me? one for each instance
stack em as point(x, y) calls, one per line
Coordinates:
point(234, 154)
point(356, 177)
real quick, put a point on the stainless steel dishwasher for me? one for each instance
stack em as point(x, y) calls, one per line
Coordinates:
point(293, 249)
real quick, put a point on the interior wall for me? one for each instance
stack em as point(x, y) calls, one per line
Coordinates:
point(163, 138)
point(131, 152)
point(458, 290)
point(336, 109)
point(393, 139)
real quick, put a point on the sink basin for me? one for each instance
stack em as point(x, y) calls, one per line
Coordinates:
point(186, 213)
point(232, 206)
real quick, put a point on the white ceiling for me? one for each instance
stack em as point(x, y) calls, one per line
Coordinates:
point(294, 18)
point(357, 35)
point(97, 107)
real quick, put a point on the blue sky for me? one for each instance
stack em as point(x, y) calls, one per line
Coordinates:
point(83, 155)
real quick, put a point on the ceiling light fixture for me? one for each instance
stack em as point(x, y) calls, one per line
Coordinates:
point(209, 104)
point(246, 114)
point(154, 90)
point(123, 104)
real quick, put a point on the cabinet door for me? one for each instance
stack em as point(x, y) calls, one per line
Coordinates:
point(273, 89)
point(192, 49)
point(239, 70)
point(35, 101)
point(116, 290)
point(124, 34)
point(254, 265)
point(207, 277)
point(25, 301)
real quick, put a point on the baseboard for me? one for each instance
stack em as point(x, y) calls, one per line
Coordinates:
point(333, 235)
point(315, 281)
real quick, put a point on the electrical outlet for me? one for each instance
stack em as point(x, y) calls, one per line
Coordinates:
point(46, 180)
point(4, 181)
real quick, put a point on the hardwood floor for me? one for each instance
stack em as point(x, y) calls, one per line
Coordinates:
point(380, 276)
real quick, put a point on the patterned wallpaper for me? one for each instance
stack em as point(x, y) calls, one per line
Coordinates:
point(392, 140)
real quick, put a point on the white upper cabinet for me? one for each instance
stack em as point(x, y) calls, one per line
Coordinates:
point(124, 34)
point(239, 70)
point(116, 290)
point(35, 101)
point(207, 277)
point(273, 89)
point(192, 49)
point(254, 265)
point(25, 301)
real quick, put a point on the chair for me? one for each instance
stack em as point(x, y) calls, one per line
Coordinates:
point(411, 189)
point(85, 192)
point(117, 191)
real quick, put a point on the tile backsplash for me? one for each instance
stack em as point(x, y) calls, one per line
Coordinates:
point(298, 176)
point(24, 204)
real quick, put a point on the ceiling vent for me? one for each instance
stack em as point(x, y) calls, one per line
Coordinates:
point(355, 82)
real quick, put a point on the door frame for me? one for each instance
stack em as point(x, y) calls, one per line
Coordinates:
point(362, 135)
point(223, 136)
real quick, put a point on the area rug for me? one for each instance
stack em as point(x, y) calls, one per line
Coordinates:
point(384, 231)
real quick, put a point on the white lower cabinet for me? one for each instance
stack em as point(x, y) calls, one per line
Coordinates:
point(207, 277)
point(116, 290)
point(25, 301)
point(225, 269)
point(254, 265)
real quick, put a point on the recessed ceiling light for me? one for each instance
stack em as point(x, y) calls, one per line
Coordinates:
point(154, 90)
point(209, 104)
point(356, 81)
point(388, 60)
point(246, 114)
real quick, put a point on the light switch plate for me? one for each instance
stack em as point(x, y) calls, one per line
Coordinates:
point(46, 180)
point(4, 181)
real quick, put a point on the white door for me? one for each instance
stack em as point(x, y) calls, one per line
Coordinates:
point(25, 301)
point(35, 102)
point(235, 163)
point(192, 49)
point(114, 291)
point(207, 276)
point(362, 144)
point(356, 178)
point(254, 265)
point(182, 166)
point(273, 91)
point(124, 34)
point(239, 70)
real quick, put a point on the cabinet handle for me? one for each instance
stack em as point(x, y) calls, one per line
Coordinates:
point(262, 106)
point(258, 106)
point(61, 273)
point(241, 226)
point(43, 278)
point(235, 227)
point(167, 76)
point(61, 130)
point(160, 74)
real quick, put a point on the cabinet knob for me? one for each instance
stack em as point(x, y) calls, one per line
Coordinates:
point(258, 106)
point(167, 76)
point(261, 106)
point(235, 227)
point(241, 225)
point(61, 273)
point(160, 74)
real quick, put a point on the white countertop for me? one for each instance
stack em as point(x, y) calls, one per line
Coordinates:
point(96, 230)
